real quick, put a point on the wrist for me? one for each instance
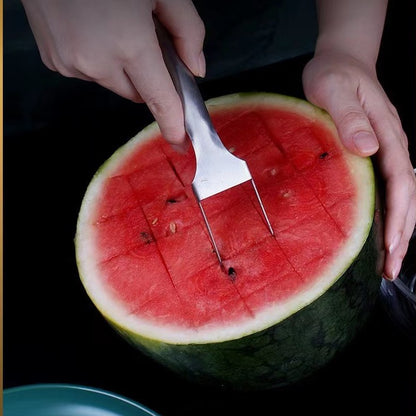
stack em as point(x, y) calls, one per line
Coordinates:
point(343, 52)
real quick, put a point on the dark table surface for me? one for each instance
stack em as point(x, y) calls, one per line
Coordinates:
point(57, 132)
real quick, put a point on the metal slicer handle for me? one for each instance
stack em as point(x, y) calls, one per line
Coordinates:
point(198, 123)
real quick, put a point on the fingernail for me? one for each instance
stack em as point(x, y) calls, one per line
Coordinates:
point(365, 142)
point(395, 242)
point(201, 65)
point(395, 270)
point(387, 277)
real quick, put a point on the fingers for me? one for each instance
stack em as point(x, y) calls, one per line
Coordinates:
point(400, 204)
point(397, 249)
point(397, 171)
point(145, 70)
point(148, 72)
point(150, 77)
point(398, 224)
point(187, 29)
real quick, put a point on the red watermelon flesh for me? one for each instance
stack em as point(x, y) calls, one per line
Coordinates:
point(153, 251)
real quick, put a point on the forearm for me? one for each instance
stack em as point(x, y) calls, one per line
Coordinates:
point(353, 27)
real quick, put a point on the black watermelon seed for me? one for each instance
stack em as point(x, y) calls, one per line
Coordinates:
point(146, 237)
point(232, 273)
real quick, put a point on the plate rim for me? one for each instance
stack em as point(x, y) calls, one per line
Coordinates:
point(76, 387)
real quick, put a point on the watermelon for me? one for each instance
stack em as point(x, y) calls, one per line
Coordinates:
point(283, 305)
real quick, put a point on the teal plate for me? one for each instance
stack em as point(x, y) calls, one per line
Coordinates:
point(68, 400)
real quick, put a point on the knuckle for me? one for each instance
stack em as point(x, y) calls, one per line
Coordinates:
point(411, 183)
point(406, 181)
point(199, 28)
point(64, 65)
point(128, 93)
point(47, 61)
point(161, 105)
point(393, 110)
point(135, 97)
point(167, 111)
point(355, 118)
point(405, 140)
point(85, 66)
point(393, 125)
point(49, 65)
point(80, 63)
point(133, 53)
point(63, 69)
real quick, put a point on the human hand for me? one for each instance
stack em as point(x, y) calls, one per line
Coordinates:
point(114, 44)
point(369, 124)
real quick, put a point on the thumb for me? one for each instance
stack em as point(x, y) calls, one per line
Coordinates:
point(353, 125)
point(185, 26)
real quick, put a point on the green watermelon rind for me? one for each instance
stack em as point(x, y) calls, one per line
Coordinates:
point(286, 352)
point(292, 339)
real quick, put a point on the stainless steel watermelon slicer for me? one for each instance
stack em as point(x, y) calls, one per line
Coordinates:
point(216, 168)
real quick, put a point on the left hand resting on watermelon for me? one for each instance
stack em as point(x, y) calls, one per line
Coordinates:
point(342, 79)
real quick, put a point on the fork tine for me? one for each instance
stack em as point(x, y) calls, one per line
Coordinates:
point(211, 235)
point(262, 207)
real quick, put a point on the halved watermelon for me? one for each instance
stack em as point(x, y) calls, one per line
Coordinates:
point(284, 304)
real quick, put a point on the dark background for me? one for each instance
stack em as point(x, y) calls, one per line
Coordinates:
point(57, 132)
